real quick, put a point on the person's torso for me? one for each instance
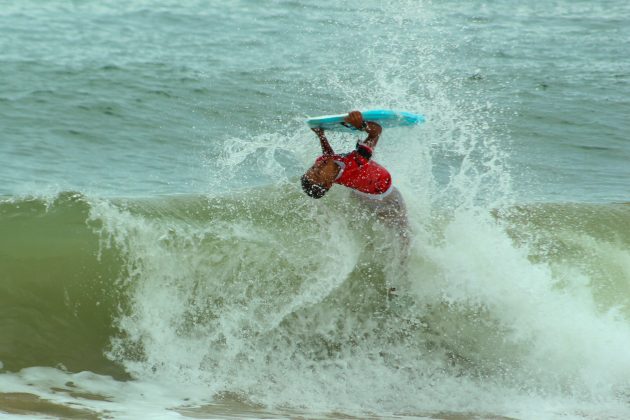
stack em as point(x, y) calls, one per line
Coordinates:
point(361, 174)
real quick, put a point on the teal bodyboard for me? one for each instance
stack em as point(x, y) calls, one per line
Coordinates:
point(386, 118)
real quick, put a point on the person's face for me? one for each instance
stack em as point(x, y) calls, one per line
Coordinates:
point(322, 173)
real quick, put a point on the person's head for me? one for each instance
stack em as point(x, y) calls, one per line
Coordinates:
point(312, 189)
point(319, 178)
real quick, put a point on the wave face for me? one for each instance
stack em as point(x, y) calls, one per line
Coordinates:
point(280, 302)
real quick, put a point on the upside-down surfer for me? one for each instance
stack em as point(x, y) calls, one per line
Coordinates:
point(357, 171)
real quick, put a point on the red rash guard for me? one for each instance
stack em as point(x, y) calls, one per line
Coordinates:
point(360, 173)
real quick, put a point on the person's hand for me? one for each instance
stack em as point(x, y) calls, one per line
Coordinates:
point(318, 130)
point(355, 119)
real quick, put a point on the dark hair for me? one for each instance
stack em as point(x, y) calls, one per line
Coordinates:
point(312, 189)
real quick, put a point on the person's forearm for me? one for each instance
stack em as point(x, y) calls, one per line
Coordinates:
point(355, 118)
point(373, 131)
point(323, 141)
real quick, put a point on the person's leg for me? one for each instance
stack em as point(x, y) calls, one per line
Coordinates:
point(390, 210)
point(393, 212)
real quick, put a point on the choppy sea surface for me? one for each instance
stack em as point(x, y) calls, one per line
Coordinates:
point(158, 259)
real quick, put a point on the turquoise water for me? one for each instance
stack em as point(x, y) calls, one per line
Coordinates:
point(158, 259)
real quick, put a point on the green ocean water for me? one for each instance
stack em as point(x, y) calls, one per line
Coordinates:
point(158, 259)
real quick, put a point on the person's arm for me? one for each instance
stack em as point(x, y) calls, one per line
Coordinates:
point(372, 129)
point(323, 141)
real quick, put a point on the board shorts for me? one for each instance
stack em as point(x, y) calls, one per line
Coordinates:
point(389, 208)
